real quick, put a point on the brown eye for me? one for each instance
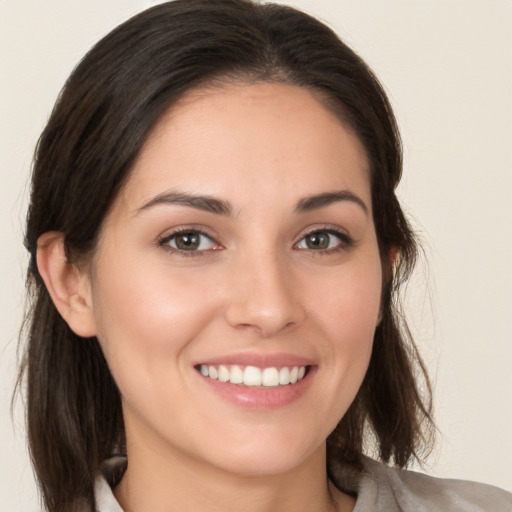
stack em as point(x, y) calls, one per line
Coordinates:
point(189, 241)
point(317, 240)
point(324, 240)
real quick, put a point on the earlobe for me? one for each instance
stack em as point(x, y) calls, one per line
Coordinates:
point(68, 286)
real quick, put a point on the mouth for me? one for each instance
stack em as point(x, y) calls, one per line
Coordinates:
point(258, 382)
point(254, 376)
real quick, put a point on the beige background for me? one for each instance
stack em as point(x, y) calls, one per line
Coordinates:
point(446, 65)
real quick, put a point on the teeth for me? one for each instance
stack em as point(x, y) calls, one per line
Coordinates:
point(284, 376)
point(254, 376)
point(270, 377)
point(212, 372)
point(237, 375)
point(223, 374)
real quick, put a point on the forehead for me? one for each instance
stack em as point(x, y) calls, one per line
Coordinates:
point(274, 141)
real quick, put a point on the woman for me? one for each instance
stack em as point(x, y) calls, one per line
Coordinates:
point(216, 251)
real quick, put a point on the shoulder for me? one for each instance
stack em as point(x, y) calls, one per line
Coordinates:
point(382, 488)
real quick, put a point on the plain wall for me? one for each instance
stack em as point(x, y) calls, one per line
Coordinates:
point(446, 66)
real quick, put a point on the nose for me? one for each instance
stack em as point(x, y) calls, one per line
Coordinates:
point(264, 296)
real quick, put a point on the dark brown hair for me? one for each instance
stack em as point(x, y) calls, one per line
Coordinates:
point(103, 116)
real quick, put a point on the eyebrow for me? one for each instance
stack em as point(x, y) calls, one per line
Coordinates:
point(220, 207)
point(200, 202)
point(321, 200)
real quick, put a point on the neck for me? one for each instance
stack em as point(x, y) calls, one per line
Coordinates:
point(174, 482)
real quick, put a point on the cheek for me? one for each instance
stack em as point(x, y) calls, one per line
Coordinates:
point(349, 303)
point(348, 311)
point(146, 315)
point(147, 321)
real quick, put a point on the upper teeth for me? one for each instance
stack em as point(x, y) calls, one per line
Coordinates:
point(254, 376)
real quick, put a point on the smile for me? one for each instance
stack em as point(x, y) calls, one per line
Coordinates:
point(252, 376)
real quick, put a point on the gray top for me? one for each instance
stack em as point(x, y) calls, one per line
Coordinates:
point(379, 489)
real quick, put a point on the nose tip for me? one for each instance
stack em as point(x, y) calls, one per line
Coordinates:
point(267, 322)
point(264, 301)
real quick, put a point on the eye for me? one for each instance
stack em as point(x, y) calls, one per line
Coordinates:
point(189, 240)
point(324, 240)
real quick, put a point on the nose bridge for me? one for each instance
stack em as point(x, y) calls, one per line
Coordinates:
point(262, 294)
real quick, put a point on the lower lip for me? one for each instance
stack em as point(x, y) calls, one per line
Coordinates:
point(261, 397)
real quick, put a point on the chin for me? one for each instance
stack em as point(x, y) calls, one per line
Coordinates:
point(270, 455)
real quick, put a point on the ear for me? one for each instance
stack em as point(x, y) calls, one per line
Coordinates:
point(68, 286)
point(394, 254)
point(388, 266)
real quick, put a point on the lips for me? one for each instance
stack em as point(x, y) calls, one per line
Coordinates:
point(258, 381)
point(254, 376)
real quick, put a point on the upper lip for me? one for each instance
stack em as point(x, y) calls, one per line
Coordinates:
point(259, 360)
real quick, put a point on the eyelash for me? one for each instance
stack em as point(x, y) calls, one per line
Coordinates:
point(164, 241)
point(345, 241)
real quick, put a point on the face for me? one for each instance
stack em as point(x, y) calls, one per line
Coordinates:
point(237, 280)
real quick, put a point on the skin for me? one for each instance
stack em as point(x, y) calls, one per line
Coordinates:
point(255, 286)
